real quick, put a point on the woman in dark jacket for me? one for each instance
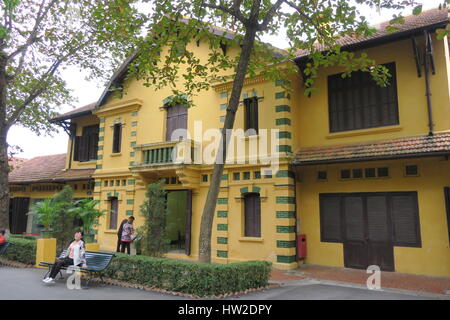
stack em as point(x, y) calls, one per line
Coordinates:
point(119, 234)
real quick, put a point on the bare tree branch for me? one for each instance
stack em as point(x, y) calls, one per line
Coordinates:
point(270, 14)
point(233, 11)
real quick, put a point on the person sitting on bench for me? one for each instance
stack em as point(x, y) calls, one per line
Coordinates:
point(2, 237)
point(76, 256)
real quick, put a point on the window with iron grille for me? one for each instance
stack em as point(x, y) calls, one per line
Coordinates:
point(357, 102)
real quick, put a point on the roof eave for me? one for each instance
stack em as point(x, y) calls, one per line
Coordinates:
point(366, 159)
point(396, 36)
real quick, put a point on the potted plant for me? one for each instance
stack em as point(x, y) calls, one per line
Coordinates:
point(86, 211)
point(45, 213)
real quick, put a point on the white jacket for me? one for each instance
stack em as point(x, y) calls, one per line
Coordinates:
point(79, 254)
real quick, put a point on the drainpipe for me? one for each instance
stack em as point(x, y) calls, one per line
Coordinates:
point(427, 58)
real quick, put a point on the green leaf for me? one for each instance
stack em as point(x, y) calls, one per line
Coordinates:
point(417, 10)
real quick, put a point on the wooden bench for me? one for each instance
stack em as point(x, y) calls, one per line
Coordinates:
point(4, 247)
point(96, 262)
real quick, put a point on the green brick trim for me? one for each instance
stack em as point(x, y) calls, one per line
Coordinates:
point(132, 154)
point(131, 182)
point(285, 174)
point(283, 121)
point(224, 177)
point(284, 148)
point(99, 157)
point(222, 227)
point(285, 214)
point(222, 201)
point(244, 190)
point(222, 214)
point(286, 259)
point(100, 148)
point(222, 240)
point(130, 201)
point(286, 244)
point(134, 123)
point(222, 254)
point(289, 200)
point(101, 138)
point(256, 189)
point(101, 129)
point(282, 108)
point(280, 82)
point(98, 183)
point(98, 166)
point(134, 114)
point(284, 135)
point(133, 133)
point(223, 106)
point(224, 95)
point(280, 95)
point(222, 119)
point(131, 163)
point(102, 120)
point(129, 212)
point(285, 229)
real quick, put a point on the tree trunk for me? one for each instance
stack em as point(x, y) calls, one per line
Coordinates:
point(4, 166)
point(214, 188)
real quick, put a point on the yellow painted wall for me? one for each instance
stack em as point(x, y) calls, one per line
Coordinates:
point(313, 128)
point(433, 258)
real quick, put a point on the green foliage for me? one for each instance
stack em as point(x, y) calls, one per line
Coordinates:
point(86, 211)
point(21, 250)
point(192, 278)
point(63, 223)
point(45, 213)
point(154, 242)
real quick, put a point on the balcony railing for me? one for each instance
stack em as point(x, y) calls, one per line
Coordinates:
point(170, 152)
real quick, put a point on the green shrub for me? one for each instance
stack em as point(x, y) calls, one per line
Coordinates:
point(21, 250)
point(200, 279)
point(22, 236)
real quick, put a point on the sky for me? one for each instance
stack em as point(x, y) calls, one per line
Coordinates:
point(88, 92)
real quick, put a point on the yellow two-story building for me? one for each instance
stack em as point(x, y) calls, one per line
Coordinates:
point(356, 173)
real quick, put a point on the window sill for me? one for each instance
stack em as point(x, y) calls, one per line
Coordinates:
point(109, 231)
point(354, 133)
point(251, 239)
point(118, 154)
point(87, 163)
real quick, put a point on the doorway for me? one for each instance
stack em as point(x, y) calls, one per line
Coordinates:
point(18, 209)
point(178, 221)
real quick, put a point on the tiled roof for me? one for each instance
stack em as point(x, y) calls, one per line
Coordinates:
point(47, 169)
point(85, 110)
point(14, 162)
point(412, 24)
point(406, 147)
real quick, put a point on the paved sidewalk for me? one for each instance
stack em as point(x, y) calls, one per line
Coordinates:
point(26, 284)
point(392, 280)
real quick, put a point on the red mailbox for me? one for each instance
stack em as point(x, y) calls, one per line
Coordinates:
point(301, 246)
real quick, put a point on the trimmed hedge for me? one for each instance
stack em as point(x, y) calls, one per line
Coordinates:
point(21, 250)
point(199, 279)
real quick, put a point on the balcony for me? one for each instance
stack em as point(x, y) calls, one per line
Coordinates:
point(162, 154)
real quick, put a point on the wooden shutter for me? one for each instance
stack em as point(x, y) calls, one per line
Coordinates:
point(354, 218)
point(330, 218)
point(405, 219)
point(76, 148)
point(251, 114)
point(447, 206)
point(252, 215)
point(377, 219)
point(83, 151)
point(117, 137)
point(176, 119)
point(114, 213)
point(19, 209)
point(357, 102)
